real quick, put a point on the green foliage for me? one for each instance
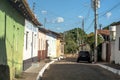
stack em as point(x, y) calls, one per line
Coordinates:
point(107, 27)
point(70, 46)
point(72, 39)
point(91, 40)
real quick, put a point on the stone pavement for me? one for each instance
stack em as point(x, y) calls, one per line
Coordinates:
point(33, 72)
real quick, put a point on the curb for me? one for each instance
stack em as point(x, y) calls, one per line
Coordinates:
point(115, 71)
point(43, 70)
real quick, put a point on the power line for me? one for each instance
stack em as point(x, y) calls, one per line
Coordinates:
point(90, 26)
point(88, 15)
point(115, 6)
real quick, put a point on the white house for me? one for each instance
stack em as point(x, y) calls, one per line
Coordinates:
point(51, 40)
point(115, 42)
point(104, 48)
point(30, 44)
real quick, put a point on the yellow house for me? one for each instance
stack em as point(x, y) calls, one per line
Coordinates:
point(59, 46)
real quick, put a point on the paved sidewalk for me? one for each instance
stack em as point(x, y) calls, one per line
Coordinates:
point(111, 67)
point(33, 72)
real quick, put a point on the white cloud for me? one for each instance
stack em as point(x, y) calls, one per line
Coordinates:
point(56, 20)
point(44, 12)
point(108, 15)
point(60, 19)
point(80, 16)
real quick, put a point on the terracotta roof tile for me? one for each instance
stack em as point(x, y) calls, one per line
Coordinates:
point(104, 32)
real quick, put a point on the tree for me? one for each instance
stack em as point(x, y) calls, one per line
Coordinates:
point(72, 39)
point(91, 40)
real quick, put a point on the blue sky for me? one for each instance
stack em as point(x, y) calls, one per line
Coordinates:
point(63, 15)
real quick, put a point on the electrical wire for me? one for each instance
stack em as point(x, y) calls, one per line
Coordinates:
point(114, 7)
point(89, 26)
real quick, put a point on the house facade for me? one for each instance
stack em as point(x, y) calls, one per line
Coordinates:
point(12, 32)
point(104, 48)
point(51, 40)
point(42, 44)
point(50, 44)
point(11, 40)
point(30, 44)
point(58, 46)
point(115, 43)
point(55, 44)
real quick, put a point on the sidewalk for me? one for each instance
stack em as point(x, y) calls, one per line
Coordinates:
point(33, 72)
point(111, 67)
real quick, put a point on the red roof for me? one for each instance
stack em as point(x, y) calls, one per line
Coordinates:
point(103, 32)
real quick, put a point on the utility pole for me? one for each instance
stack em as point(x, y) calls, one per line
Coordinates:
point(83, 33)
point(83, 24)
point(96, 5)
point(77, 40)
point(82, 37)
point(44, 21)
point(83, 28)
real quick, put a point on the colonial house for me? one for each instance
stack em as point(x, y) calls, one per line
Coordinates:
point(51, 40)
point(50, 44)
point(104, 52)
point(55, 44)
point(13, 30)
point(42, 44)
point(11, 39)
point(115, 42)
point(30, 44)
point(59, 46)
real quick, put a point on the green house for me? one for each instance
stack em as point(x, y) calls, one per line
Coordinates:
point(12, 21)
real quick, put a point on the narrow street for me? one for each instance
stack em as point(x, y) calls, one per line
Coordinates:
point(66, 70)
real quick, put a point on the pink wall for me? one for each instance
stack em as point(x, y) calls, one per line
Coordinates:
point(42, 50)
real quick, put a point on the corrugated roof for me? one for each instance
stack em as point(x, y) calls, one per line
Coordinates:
point(23, 7)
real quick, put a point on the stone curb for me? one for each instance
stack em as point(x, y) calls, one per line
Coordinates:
point(115, 71)
point(43, 70)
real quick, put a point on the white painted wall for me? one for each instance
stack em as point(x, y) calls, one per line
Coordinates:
point(117, 51)
point(112, 57)
point(51, 45)
point(104, 51)
point(30, 42)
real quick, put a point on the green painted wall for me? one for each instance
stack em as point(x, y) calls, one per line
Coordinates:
point(11, 38)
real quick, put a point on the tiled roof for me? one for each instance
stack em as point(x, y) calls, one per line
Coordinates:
point(49, 31)
point(103, 32)
point(23, 7)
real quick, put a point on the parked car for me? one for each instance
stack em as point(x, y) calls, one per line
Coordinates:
point(84, 56)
